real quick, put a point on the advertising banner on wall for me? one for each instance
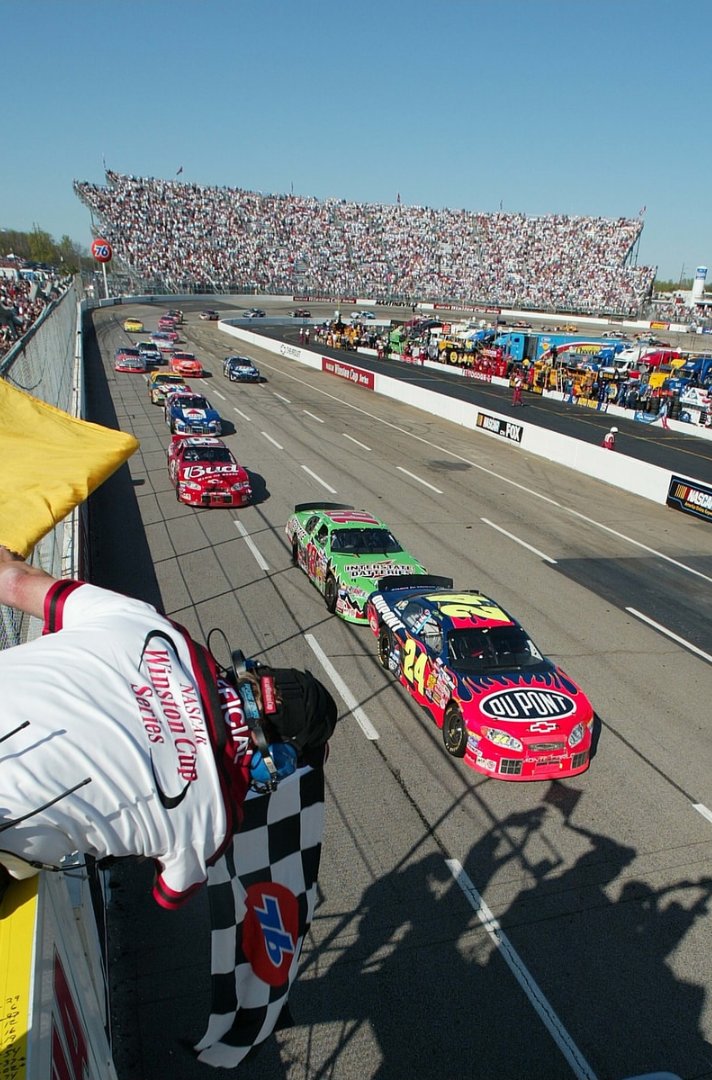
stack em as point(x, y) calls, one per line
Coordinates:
point(690, 497)
point(347, 371)
point(497, 426)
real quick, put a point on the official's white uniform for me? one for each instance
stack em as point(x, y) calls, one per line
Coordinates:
point(123, 697)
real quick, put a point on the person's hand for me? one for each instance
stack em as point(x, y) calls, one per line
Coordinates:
point(7, 556)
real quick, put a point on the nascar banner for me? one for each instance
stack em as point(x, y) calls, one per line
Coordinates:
point(691, 497)
point(496, 425)
point(262, 894)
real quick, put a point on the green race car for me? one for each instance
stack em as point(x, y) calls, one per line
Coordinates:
point(345, 552)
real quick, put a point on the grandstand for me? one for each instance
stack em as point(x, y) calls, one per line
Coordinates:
point(185, 237)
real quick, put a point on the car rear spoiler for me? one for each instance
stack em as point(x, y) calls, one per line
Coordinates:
point(413, 581)
point(321, 506)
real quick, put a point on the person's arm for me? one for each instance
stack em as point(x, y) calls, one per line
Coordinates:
point(23, 586)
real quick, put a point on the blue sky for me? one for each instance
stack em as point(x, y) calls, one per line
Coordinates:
point(597, 107)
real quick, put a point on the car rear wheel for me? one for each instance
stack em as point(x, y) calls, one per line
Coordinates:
point(330, 593)
point(385, 646)
point(454, 731)
point(295, 552)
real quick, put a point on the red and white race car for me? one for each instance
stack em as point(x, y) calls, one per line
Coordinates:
point(165, 340)
point(508, 710)
point(186, 363)
point(205, 472)
point(129, 359)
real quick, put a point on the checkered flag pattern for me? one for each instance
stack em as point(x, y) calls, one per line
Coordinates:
point(262, 893)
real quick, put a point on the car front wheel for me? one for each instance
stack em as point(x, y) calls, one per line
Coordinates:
point(385, 647)
point(295, 552)
point(331, 593)
point(454, 731)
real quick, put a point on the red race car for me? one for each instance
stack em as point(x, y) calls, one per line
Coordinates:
point(165, 340)
point(205, 472)
point(186, 363)
point(509, 711)
point(128, 359)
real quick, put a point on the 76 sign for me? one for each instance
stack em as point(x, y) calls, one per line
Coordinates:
point(101, 250)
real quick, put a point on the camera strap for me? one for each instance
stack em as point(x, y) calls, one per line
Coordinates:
point(253, 716)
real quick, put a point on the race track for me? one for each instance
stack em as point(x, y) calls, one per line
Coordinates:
point(466, 927)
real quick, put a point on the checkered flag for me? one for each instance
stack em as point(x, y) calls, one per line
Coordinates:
point(262, 893)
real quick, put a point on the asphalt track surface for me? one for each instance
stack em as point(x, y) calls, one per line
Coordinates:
point(466, 927)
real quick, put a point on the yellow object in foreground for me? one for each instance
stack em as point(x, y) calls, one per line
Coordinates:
point(51, 462)
point(18, 915)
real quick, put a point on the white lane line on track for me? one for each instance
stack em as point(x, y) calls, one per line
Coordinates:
point(490, 472)
point(282, 398)
point(419, 480)
point(361, 444)
point(242, 414)
point(637, 543)
point(547, 558)
point(273, 441)
point(317, 418)
point(668, 633)
point(216, 393)
point(252, 546)
point(319, 480)
point(702, 809)
point(556, 1029)
point(342, 689)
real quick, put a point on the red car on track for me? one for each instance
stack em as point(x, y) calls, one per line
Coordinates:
point(128, 359)
point(165, 340)
point(205, 472)
point(187, 364)
point(502, 705)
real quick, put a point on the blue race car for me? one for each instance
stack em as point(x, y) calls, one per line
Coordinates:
point(241, 369)
point(191, 414)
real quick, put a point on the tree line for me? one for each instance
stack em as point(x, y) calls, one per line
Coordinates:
point(39, 246)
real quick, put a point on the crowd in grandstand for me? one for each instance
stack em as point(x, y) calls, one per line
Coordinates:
point(188, 236)
point(21, 304)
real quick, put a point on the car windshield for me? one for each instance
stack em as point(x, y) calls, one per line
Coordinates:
point(208, 453)
point(364, 542)
point(491, 648)
point(195, 402)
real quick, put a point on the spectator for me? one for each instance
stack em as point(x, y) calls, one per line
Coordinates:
point(229, 238)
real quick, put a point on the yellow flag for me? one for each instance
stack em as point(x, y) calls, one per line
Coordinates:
point(50, 462)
